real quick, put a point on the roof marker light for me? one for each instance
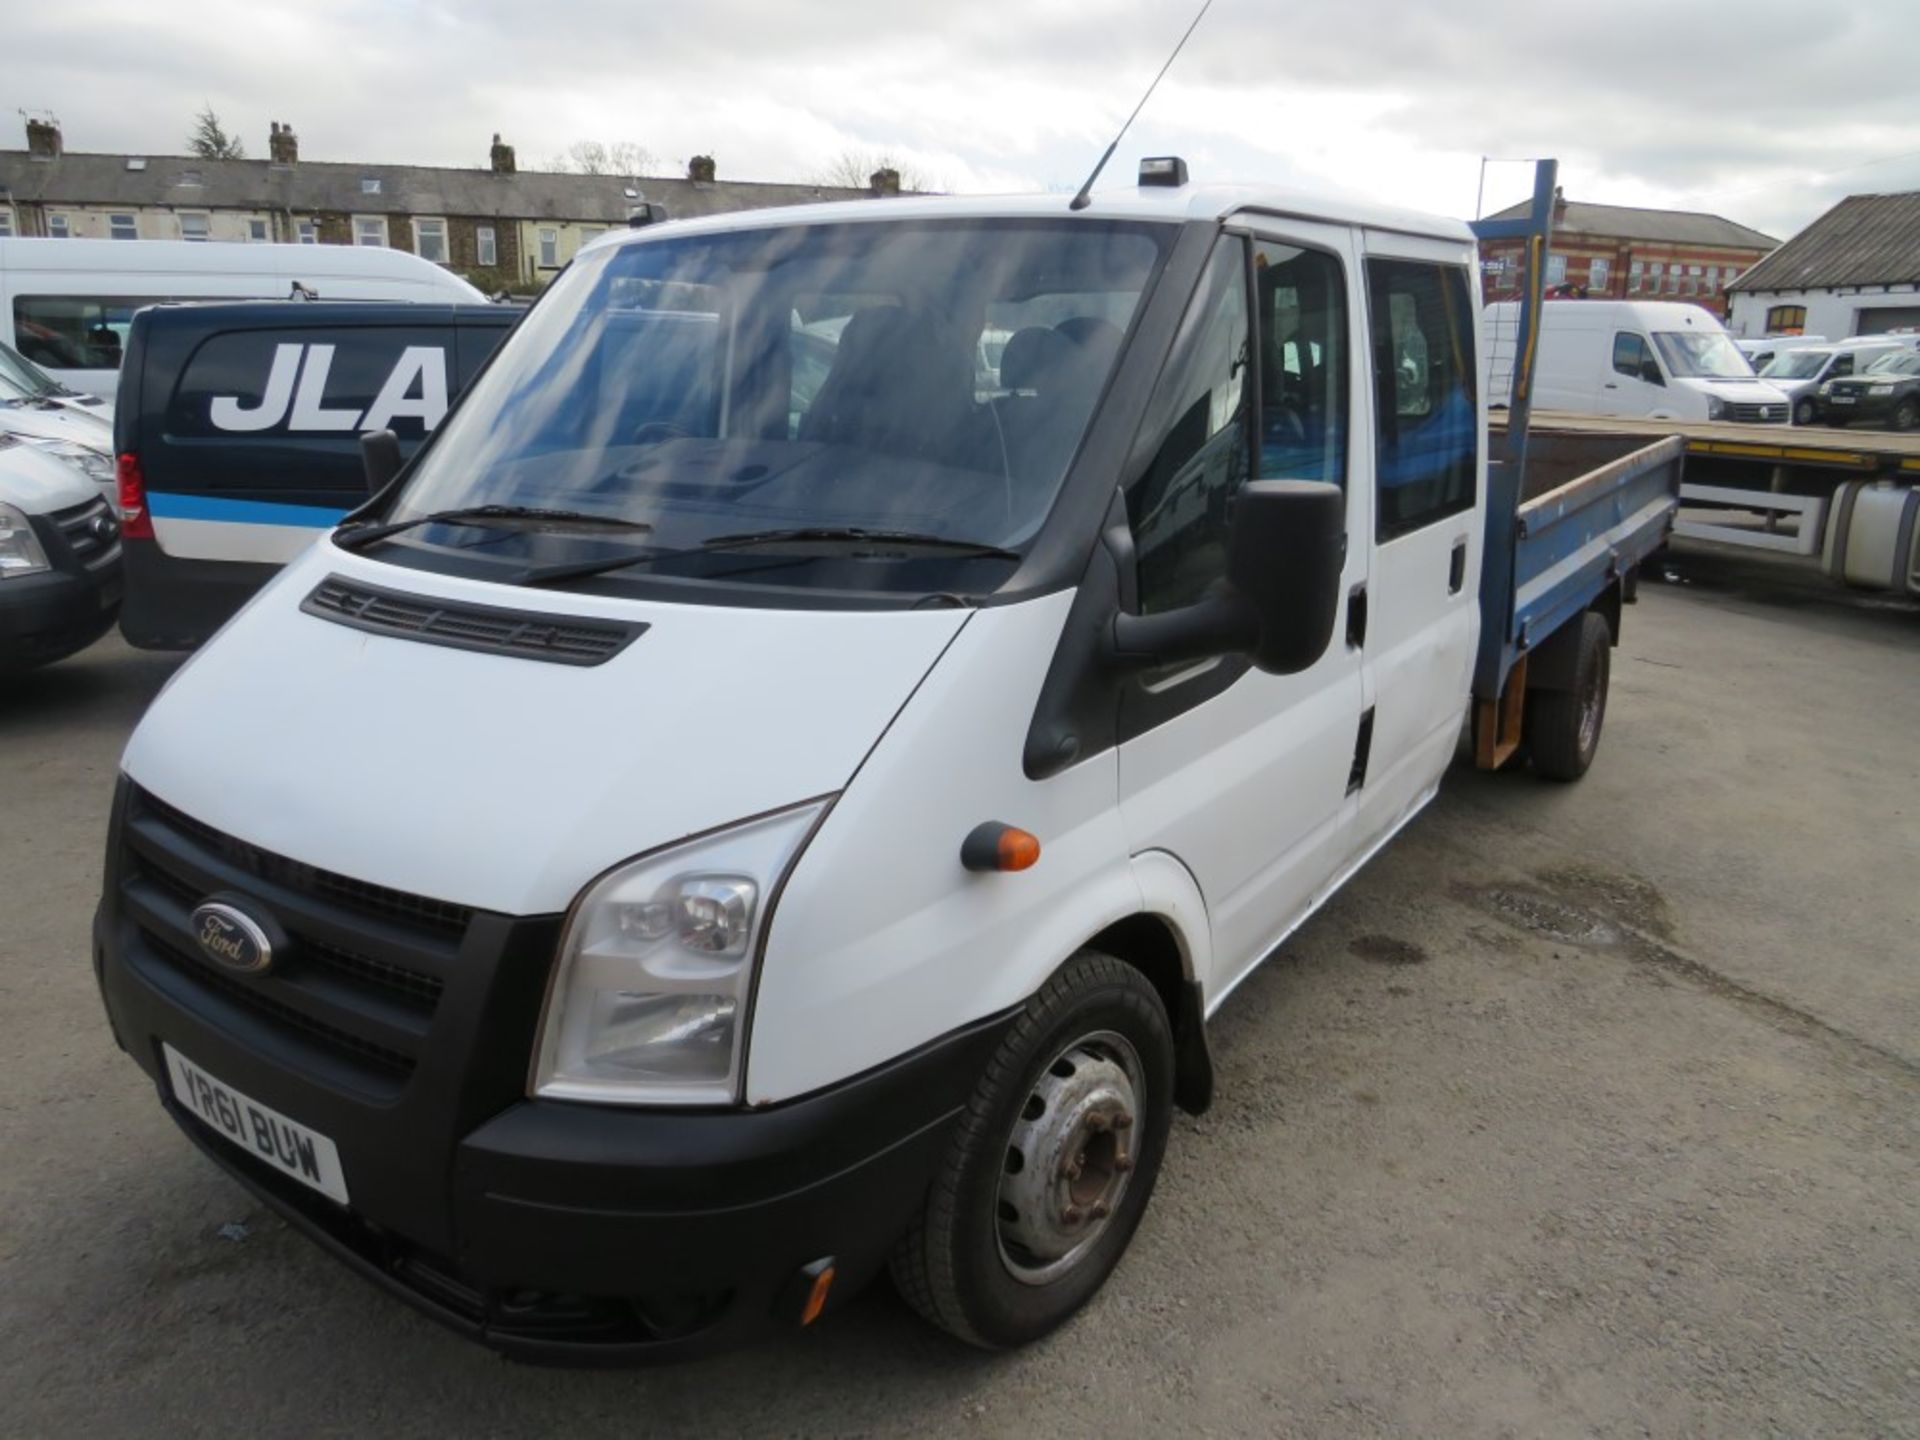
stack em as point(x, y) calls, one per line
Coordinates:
point(1167, 170)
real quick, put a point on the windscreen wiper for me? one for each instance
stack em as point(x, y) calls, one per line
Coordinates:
point(578, 570)
point(855, 534)
point(359, 536)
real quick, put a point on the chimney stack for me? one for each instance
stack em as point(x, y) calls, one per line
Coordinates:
point(885, 181)
point(283, 146)
point(700, 170)
point(502, 157)
point(43, 139)
point(1559, 206)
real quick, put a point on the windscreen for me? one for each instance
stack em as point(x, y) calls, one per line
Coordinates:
point(932, 378)
point(1704, 353)
point(1900, 362)
point(1794, 365)
point(17, 373)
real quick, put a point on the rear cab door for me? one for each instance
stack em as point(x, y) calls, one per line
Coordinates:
point(1429, 483)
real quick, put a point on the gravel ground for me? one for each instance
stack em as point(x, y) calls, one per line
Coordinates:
point(1583, 1110)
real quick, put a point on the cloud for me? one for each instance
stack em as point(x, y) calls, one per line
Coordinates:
point(1729, 105)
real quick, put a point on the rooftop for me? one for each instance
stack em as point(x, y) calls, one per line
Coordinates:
point(326, 186)
point(1629, 222)
point(1864, 240)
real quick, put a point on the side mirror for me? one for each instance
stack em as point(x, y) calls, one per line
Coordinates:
point(380, 455)
point(1286, 549)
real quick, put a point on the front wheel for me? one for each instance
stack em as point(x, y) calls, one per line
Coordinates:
point(1907, 414)
point(1803, 413)
point(1563, 726)
point(1052, 1164)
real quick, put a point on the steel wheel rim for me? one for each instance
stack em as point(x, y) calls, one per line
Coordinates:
point(1069, 1157)
point(1590, 713)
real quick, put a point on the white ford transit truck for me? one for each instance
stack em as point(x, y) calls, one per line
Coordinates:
point(774, 787)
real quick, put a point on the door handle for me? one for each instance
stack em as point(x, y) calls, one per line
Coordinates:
point(1357, 616)
point(1457, 566)
point(1609, 385)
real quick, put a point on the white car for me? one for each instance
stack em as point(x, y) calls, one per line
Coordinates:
point(39, 411)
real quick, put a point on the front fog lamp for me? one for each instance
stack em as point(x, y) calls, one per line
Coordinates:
point(656, 968)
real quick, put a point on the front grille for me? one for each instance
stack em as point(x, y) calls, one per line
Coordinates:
point(330, 1037)
point(362, 974)
point(342, 890)
point(91, 532)
point(562, 639)
point(1747, 413)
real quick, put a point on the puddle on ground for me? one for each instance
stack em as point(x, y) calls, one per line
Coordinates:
point(1387, 950)
point(1545, 916)
point(1630, 900)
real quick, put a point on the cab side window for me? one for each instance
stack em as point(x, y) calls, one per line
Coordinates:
point(1633, 358)
point(1301, 302)
point(1426, 415)
point(1194, 451)
point(1842, 365)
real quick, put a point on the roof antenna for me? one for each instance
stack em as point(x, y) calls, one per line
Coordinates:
point(1085, 197)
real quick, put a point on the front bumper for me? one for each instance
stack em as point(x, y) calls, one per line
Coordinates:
point(1871, 409)
point(53, 614)
point(551, 1231)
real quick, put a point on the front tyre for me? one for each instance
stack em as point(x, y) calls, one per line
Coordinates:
point(1052, 1163)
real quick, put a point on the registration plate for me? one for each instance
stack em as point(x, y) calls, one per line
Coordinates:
point(263, 1132)
point(1840, 399)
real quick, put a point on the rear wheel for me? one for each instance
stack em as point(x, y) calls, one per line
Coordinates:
point(1052, 1164)
point(1563, 726)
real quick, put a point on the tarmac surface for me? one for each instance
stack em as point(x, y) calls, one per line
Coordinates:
point(1583, 1110)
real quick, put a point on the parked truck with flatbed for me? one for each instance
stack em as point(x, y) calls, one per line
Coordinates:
point(722, 819)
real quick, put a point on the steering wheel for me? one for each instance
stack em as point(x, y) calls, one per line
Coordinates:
point(655, 431)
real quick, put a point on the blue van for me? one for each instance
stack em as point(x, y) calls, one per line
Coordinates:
point(237, 436)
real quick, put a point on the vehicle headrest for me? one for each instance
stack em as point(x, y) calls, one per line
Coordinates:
point(1032, 356)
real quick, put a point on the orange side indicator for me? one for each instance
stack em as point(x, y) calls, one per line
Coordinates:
point(994, 846)
point(817, 1296)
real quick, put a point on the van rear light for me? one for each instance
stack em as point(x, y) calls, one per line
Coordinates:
point(135, 523)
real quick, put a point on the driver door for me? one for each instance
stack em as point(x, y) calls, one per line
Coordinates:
point(1241, 775)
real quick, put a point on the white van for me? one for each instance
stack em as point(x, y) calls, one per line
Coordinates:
point(1664, 360)
point(1798, 374)
point(774, 787)
point(1762, 350)
point(39, 410)
point(66, 304)
point(60, 570)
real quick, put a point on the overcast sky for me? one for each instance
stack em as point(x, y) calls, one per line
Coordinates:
point(1762, 110)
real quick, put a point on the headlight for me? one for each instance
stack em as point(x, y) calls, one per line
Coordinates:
point(97, 465)
point(649, 995)
point(20, 552)
point(1716, 407)
point(1881, 387)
